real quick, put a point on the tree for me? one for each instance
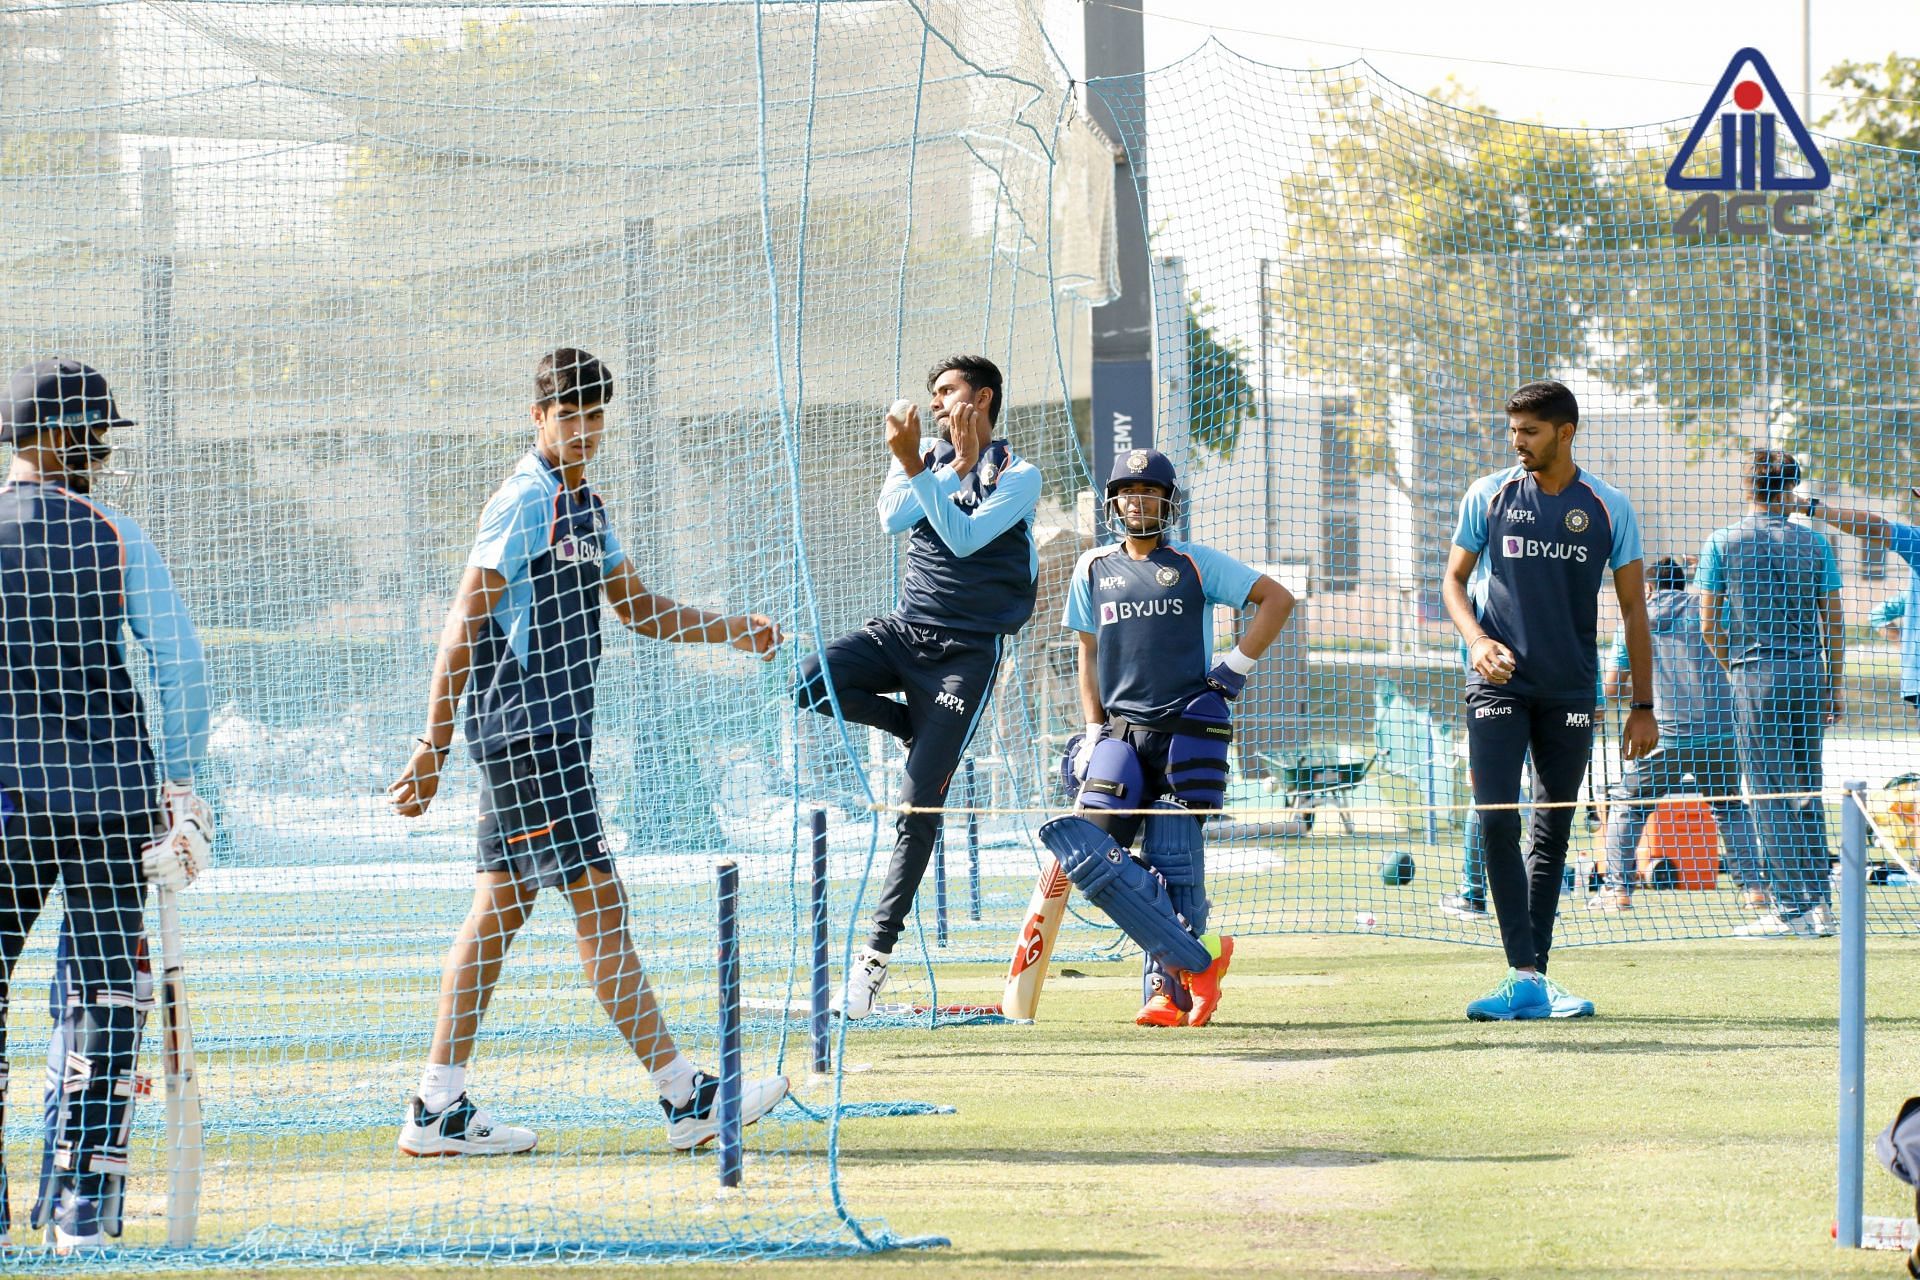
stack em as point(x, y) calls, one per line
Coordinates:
point(1219, 395)
point(1886, 110)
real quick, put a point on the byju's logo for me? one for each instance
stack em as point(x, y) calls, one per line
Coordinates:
point(1750, 107)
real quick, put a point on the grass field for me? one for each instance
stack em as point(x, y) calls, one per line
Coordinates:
point(1343, 1119)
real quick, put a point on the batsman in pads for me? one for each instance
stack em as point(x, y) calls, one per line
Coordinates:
point(1158, 725)
point(83, 801)
point(522, 642)
point(970, 582)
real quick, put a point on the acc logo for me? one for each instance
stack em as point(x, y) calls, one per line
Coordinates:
point(1166, 576)
point(1577, 521)
point(1579, 720)
point(1136, 461)
point(1749, 140)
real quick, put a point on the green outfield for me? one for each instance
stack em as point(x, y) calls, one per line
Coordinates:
point(1342, 1119)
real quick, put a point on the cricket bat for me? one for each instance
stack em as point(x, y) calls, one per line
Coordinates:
point(1034, 948)
point(184, 1134)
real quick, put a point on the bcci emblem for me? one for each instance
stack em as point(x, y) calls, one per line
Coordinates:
point(989, 473)
point(1166, 576)
point(1577, 521)
point(1136, 461)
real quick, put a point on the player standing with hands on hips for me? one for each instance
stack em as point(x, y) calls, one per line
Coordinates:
point(79, 802)
point(523, 642)
point(1548, 532)
point(971, 579)
point(1158, 727)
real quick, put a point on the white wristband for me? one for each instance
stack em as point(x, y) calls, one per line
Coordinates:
point(1239, 661)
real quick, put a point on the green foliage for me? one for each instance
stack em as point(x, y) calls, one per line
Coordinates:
point(1440, 256)
point(1886, 108)
point(1219, 395)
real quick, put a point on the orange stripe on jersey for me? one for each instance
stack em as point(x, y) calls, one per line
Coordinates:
point(117, 535)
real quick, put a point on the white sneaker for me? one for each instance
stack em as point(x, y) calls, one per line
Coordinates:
point(461, 1130)
point(1820, 921)
point(863, 984)
point(696, 1122)
point(1773, 925)
point(64, 1244)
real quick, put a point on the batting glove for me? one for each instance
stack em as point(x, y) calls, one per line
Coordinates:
point(175, 859)
point(1226, 681)
point(1083, 754)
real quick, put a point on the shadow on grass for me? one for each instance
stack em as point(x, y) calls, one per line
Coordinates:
point(1282, 1158)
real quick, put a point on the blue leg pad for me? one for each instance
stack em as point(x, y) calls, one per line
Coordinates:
point(1131, 895)
point(1170, 842)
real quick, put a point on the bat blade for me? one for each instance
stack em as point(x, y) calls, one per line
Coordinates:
point(1034, 947)
point(185, 1134)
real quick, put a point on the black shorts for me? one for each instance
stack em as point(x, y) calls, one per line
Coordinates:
point(539, 820)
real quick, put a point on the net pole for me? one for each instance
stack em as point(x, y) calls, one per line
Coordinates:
point(940, 886)
point(817, 1022)
point(1853, 1014)
point(731, 1154)
point(973, 843)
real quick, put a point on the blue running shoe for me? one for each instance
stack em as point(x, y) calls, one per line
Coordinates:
point(1515, 998)
point(1564, 1003)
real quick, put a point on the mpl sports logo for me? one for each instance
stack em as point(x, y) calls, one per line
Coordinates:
point(1750, 107)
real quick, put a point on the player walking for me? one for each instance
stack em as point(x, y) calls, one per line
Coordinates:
point(78, 797)
point(971, 579)
point(1770, 611)
point(524, 632)
point(1157, 731)
point(1549, 531)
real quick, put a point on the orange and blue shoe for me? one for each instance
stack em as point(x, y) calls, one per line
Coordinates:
point(1205, 985)
point(1160, 1011)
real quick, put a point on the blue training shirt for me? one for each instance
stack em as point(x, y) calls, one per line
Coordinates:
point(534, 664)
point(1692, 698)
point(1905, 542)
point(1773, 577)
point(1545, 555)
point(77, 575)
point(971, 560)
point(1151, 622)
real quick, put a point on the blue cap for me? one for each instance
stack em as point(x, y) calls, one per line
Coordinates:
point(1149, 465)
point(53, 392)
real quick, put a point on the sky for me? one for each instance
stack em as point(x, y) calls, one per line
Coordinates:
point(1629, 62)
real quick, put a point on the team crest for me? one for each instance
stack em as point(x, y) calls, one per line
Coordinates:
point(1577, 521)
point(1166, 576)
point(1136, 461)
point(989, 473)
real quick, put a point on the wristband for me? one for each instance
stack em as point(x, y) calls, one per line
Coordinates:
point(1476, 640)
point(438, 751)
point(1641, 706)
point(1240, 663)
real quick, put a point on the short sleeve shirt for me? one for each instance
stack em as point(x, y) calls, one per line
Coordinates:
point(1545, 556)
point(1152, 623)
point(1773, 578)
point(536, 660)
